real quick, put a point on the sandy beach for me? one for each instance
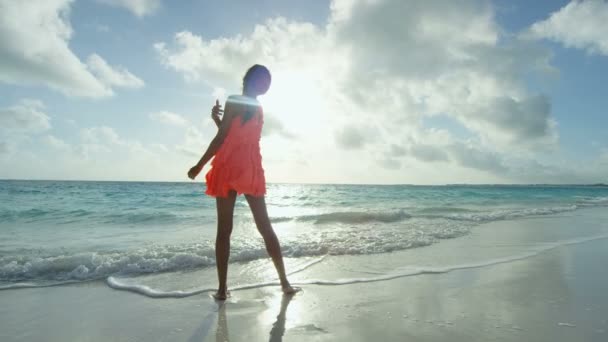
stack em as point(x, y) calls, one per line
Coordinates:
point(555, 293)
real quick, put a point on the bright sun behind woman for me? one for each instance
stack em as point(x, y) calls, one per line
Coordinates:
point(296, 99)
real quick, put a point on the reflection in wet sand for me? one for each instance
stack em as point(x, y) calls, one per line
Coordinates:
point(276, 333)
point(221, 334)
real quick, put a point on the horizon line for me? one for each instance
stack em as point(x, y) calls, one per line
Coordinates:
point(312, 183)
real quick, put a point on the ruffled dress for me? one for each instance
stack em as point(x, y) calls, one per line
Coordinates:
point(237, 164)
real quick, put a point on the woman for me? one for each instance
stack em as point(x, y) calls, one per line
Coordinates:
point(237, 169)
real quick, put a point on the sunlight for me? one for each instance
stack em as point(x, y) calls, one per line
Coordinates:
point(282, 313)
point(296, 98)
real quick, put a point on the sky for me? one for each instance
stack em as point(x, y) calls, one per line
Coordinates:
point(364, 91)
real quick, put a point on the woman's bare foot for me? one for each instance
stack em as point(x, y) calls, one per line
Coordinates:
point(221, 295)
point(289, 290)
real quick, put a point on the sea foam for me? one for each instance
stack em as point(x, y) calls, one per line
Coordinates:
point(410, 271)
point(383, 231)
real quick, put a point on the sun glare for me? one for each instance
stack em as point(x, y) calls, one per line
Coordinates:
point(297, 99)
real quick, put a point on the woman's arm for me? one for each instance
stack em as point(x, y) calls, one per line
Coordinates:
point(216, 143)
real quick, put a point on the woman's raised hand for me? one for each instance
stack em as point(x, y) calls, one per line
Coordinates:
point(216, 112)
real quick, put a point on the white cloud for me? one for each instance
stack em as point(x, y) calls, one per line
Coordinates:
point(193, 143)
point(100, 153)
point(579, 24)
point(275, 42)
point(34, 39)
point(367, 79)
point(25, 117)
point(100, 135)
point(407, 58)
point(112, 76)
point(34, 45)
point(390, 63)
point(219, 94)
point(194, 137)
point(414, 38)
point(20, 122)
point(56, 143)
point(139, 8)
point(104, 141)
point(169, 118)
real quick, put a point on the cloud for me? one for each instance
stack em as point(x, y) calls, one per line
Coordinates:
point(273, 125)
point(428, 153)
point(34, 45)
point(98, 140)
point(351, 138)
point(87, 156)
point(193, 143)
point(404, 56)
point(224, 59)
point(472, 156)
point(100, 135)
point(579, 24)
point(414, 38)
point(21, 121)
point(140, 8)
point(392, 63)
point(512, 121)
point(56, 143)
point(397, 151)
point(25, 117)
point(407, 58)
point(34, 39)
point(105, 141)
point(390, 164)
point(112, 76)
point(433, 146)
point(194, 138)
point(169, 118)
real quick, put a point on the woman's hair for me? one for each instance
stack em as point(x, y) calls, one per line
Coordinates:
point(255, 82)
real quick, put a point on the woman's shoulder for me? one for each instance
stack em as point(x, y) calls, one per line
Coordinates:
point(242, 100)
point(243, 105)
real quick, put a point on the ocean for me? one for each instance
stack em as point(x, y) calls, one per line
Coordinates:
point(57, 232)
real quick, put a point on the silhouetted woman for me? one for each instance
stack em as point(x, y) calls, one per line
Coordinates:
point(237, 169)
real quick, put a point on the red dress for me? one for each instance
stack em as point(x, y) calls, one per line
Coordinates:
point(237, 164)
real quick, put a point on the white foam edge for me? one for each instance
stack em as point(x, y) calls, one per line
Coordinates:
point(117, 284)
point(17, 286)
point(307, 265)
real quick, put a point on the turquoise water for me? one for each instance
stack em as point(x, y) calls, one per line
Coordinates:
point(77, 231)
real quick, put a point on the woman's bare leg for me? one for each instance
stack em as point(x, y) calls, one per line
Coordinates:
point(225, 210)
point(260, 215)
